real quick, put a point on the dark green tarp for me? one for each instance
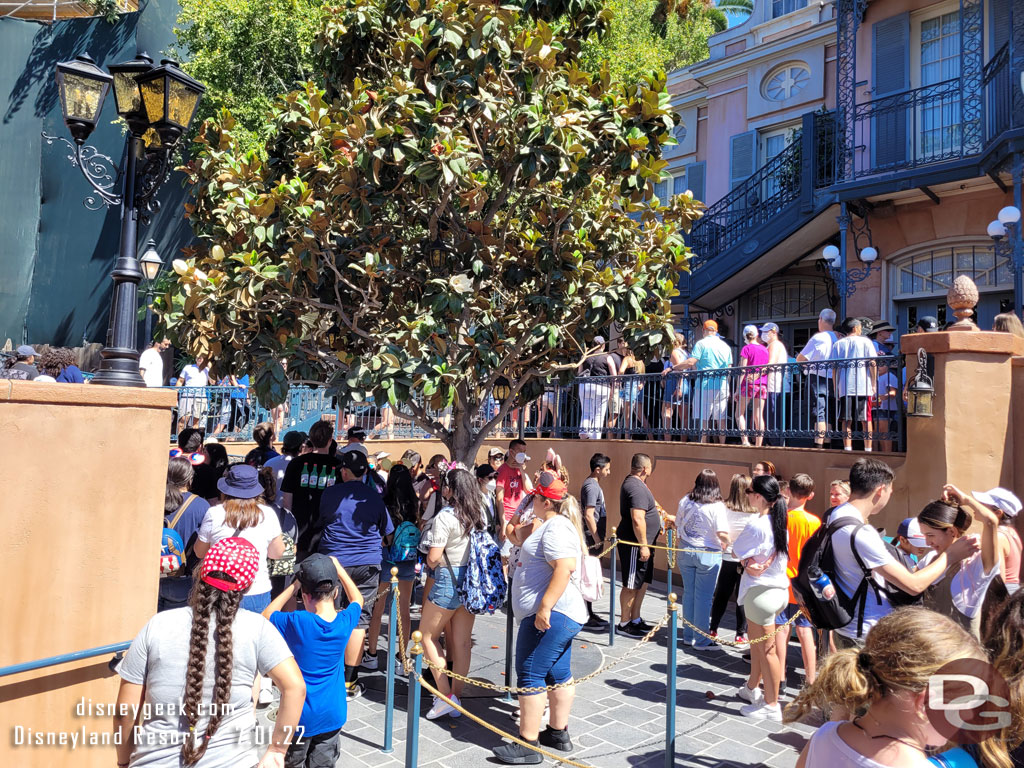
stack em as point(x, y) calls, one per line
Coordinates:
point(55, 254)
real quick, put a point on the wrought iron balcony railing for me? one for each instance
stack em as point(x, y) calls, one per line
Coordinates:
point(999, 92)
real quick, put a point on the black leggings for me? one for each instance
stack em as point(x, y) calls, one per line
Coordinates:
point(726, 589)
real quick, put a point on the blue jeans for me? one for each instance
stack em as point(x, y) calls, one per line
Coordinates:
point(700, 574)
point(544, 658)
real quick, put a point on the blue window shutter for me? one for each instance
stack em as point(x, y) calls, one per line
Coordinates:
point(1001, 22)
point(695, 174)
point(679, 183)
point(661, 191)
point(742, 157)
point(891, 68)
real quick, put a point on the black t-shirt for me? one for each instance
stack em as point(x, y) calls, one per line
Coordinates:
point(305, 479)
point(592, 495)
point(597, 365)
point(636, 495)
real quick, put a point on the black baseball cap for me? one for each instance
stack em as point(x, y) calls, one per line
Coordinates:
point(356, 433)
point(928, 324)
point(315, 570)
point(485, 471)
point(355, 462)
point(293, 440)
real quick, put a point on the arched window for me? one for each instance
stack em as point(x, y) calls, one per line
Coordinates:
point(788, 299)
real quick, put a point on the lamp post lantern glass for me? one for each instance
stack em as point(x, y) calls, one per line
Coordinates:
point(83, 88)
point(921, 390)
point(151, 262)
point(126, 85)
point(831, 255)
point(435, 254)
point(170, 98)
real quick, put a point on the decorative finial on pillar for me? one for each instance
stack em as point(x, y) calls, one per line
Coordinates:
point(962, 298)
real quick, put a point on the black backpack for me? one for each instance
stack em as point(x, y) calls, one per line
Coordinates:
point(841, 609)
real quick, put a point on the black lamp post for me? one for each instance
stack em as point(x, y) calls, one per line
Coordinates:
point(158, 104)
point(151, 264)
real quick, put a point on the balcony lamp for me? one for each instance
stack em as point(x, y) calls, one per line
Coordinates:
point(831, 255)
point(1009, 215)
point(151, 262)
point(921, 390)
point(82, 86)
point(170, 98)
point(436, 254)
point(127, 96)
point(997, 230)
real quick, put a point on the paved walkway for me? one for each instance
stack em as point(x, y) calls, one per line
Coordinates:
point(618, 719)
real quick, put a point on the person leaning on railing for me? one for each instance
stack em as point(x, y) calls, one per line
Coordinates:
point(817, 349)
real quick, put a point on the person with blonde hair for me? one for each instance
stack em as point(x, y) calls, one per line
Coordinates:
point(1008, 322)
point(884, 688)
point(738, 511)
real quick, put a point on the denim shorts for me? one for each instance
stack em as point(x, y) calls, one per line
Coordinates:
point(406, 570)
point(788, 613)
point(443, 594)
point(256, 603)
point(545, 658)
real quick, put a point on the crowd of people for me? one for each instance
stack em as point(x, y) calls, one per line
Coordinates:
point(308, 538)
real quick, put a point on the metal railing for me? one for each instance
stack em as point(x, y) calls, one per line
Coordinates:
point(64, 658)
point(791, 404)
point(999, 90)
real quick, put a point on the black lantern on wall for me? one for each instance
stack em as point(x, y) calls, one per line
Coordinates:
point(921, 390)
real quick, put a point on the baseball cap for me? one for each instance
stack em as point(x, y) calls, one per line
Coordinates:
point(910, 529)
point(750, 330)
point(293, 440)
point(928, 323)
point(1000, 498)
point(599, 339)
point(550, 487)
point(410, 458)
point(356, 433)
point(355, 462)
point(381, 455)
point(315, 570)
point(769, 327)
point(485, 471)
point(354, 447)
point(236, 559)
point(494, 452)
point(26, 351)
point(711, 325)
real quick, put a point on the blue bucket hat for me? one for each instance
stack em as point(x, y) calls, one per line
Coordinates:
point(241, 481)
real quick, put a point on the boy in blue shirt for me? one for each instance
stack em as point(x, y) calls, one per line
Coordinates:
point(318, 636)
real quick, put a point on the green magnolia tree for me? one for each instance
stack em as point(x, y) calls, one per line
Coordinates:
point(462, 205)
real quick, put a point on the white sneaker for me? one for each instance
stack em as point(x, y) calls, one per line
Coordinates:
point(755, 696)
point(712, 646)
point(369, 662)
point(442, 708)
point(762, 711)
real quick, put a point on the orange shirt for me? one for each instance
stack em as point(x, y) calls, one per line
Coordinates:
point(801, 526)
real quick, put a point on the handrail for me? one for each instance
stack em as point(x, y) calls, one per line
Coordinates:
point(64, 658)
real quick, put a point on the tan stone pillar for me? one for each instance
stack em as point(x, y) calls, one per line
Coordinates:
point(969, 439)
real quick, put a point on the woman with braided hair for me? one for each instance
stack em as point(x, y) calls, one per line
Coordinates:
point(197, 708)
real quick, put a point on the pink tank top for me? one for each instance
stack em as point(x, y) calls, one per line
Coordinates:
point(1013, 556)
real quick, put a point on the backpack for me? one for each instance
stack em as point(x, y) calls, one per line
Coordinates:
point(841, 609)
point(405, 543)
point(172, 549)
point(591, 579)
point(483, 587)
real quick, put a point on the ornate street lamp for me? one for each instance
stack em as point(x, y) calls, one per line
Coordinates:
point(160, 99)
point(921, 390)
point(151, 264)
point(833, 263)
point(436, 254)
point(1007, 225)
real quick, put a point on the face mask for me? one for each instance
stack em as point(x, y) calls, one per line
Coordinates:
point(521, 458)
point(491, 486)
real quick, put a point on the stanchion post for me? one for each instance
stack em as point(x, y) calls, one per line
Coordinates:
point(508, 648)
point(670, 539)
point(389, 709)
point(611, 593)
point(670, 683)
point(412, 728)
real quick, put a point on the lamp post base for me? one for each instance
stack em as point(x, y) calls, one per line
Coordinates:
point(120, 368)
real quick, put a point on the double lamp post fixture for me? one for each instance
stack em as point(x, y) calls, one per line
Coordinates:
point(1005, 232)
point(157, 103)
point(834, 262)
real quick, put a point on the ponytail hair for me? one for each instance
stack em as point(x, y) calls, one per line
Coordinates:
point(207, 602)
point(941, 515)
point(179, 475)
point(569, 507)
point(901, 652)
point(768, 488)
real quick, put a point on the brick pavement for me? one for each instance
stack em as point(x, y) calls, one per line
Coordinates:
point(618, 719)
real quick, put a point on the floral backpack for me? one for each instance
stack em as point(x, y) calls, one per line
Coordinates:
point(483, 588)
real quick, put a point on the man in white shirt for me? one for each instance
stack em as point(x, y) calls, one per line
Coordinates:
point(870, 490)
point(192, 406)
point(819, 348)
point(151, 363)
point(777, 357)
point(854, 381)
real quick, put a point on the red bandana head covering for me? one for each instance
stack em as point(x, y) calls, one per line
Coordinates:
point(235, 557)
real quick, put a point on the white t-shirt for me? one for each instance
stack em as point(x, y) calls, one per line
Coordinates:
point(737, 522)
point(446, 531)
point(873, 552)
point(152, 364)
point(193, 377)
point(969, 584)
point(213, 529)
point(828, 750)
point(278, 465)
point(776, 356)
point(854, 380)
point(698, 524)
point(818, 348)
point(757, 542)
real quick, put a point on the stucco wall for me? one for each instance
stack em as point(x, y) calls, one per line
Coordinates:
point(80, 525)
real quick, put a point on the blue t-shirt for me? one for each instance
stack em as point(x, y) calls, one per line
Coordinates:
point(319, 649)
point(177, 588)
point(354, 521)
point(242, 390)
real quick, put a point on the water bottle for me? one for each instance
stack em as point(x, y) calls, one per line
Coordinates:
point(821, 584)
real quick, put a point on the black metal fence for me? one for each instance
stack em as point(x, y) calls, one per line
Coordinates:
point(834, 403)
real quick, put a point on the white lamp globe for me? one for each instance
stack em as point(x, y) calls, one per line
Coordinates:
point(1009, 215)
point(831, 255)
point(869, 254)
point(996, 230)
